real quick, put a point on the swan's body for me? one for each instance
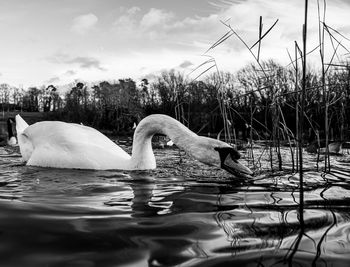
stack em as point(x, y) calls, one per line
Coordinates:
point(68, 145)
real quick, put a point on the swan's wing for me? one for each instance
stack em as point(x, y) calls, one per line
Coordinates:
point(67, 145)
point(21, 125)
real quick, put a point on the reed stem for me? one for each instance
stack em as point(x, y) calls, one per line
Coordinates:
point(302, 107)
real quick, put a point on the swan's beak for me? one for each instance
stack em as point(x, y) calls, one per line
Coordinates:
point(236, 168)
point(229, 162)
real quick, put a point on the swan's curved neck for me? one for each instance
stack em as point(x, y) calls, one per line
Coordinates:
point(142, 153)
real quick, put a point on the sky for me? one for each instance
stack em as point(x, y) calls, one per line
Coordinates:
point(59, 41)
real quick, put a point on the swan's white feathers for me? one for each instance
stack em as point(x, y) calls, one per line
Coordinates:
point(204, 150)
point(25, 146)
point(69, 145)
point(199, 147)
point(21, 125)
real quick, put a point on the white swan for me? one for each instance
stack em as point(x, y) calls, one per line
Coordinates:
point(69, 145)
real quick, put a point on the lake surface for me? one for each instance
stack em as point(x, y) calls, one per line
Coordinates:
point(181, 214)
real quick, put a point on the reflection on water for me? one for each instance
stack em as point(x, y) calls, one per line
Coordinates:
point(180, 214)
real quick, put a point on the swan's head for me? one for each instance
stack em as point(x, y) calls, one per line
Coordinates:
point(217, 153)
point(229, 161)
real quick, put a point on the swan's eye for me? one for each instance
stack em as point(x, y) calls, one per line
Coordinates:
point(235, 154)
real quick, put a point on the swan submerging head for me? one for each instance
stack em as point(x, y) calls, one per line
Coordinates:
point(69, 145)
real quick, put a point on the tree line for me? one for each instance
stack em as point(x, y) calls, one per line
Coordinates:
point(251, 103)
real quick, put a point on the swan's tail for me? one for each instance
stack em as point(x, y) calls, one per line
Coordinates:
point(21, 125)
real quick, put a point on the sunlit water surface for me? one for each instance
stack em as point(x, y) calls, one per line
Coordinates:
point(181, 214)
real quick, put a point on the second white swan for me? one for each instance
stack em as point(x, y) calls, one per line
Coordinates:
point(68, 145)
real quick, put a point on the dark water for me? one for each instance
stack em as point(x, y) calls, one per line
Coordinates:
point(182, 214)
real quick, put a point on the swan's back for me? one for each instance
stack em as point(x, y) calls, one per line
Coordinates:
point(69, 145)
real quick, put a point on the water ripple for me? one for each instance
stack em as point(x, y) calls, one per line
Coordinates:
point(183, 213)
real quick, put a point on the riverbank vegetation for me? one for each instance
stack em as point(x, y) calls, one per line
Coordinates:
point(251, 105)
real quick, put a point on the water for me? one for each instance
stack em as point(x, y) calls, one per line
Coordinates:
point(182, 214)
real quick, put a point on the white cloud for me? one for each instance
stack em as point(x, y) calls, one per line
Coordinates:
point(54, 79)
point(82, 24)
point(127, 21)
point(151, 30)
point(84, 62)
point(133, 10)
point(186, 64)
point(243, 17)
point(156, 17)
point(70, 73)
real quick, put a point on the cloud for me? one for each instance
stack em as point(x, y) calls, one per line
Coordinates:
point(70, 73)
point(156, 17)
point(185, 64)
point(197, 33)
point(57, 79)
point(83, 62)
point(133, 10)
point(170, 28)
point(127, 20)
point(84, 23)
point(87, 62)
point(54, 79)
point(146, 26)
point(244, 18)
